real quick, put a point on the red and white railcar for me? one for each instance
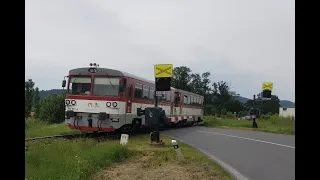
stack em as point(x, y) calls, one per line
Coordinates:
point(93, 92)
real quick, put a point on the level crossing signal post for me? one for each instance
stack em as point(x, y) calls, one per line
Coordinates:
point(163, 75)
point(266, 95)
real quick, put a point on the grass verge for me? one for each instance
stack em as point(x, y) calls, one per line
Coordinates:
point(36, 128)
point(89, 159)
point(70, 159)
point(162, 163)
point(272, 124)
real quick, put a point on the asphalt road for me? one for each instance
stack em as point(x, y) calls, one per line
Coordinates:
point(246, 154)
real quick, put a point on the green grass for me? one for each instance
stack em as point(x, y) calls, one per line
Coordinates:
point(272, 124)
point(36, 128)
point(70, 159)
point(83, 159)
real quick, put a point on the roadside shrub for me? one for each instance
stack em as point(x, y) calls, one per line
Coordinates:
point(223, 112)
point(229, 115)
point(53, 109)
point(242, 113)
point(266, 116)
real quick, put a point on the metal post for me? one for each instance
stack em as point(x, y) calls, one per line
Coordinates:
point(254, 123)
point(156, 128)
point(155, 99)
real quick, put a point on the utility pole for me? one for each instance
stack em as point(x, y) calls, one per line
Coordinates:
point(155, 134)
point(155, 99)
point(254, 123)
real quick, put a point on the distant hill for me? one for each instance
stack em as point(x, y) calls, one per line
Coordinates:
point(44, 93)
point(286, 103)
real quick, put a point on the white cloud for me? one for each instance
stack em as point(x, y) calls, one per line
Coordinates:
point(244, 42)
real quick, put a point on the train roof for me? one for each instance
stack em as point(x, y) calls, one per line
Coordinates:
point(114, 72)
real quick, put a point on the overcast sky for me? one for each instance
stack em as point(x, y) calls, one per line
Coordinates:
point(244, 42)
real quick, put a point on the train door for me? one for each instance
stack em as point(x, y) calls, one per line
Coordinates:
point(177, 103)
point(129, 95)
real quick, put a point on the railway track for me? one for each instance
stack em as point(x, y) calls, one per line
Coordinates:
point(99, 135)
point(77, 136)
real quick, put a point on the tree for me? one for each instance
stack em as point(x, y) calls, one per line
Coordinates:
point(221, 95)
point(195, 84)
point(36, 101)
point(181, 78)
point(215, 99)
point(29, 93)
point(53, 109)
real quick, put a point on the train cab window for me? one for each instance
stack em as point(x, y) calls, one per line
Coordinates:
point(80, 85)
point(151, 94)
point(185, 100)
point(106, 86)
point(145, 92)
point(138, 91)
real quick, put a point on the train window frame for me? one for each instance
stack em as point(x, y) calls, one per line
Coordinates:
point(72, 80)
point(105, 85)
point(144, 88)
point(151, 92)
point(163, 98)
point(137, 87)
point(185, 99)
point(168, 96)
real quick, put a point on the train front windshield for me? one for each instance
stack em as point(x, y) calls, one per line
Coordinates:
point(101, 86)
point(106, 86)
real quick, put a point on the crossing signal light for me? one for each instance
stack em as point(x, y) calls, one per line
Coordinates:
point(266, 94)
point(163, 84)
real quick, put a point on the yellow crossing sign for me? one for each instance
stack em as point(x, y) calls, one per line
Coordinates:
point(267, 86)
point(163, 70)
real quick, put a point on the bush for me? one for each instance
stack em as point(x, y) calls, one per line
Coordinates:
point(223, 112)
point(53, 109)
point(229, 115)
point(242, 113)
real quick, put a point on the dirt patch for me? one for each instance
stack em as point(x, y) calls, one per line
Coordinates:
point(149, 167)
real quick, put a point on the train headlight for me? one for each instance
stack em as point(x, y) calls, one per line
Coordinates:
point(73, 102)
point(67, 102)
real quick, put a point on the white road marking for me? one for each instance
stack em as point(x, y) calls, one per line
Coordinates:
point(237, 175)
point(248, 139)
